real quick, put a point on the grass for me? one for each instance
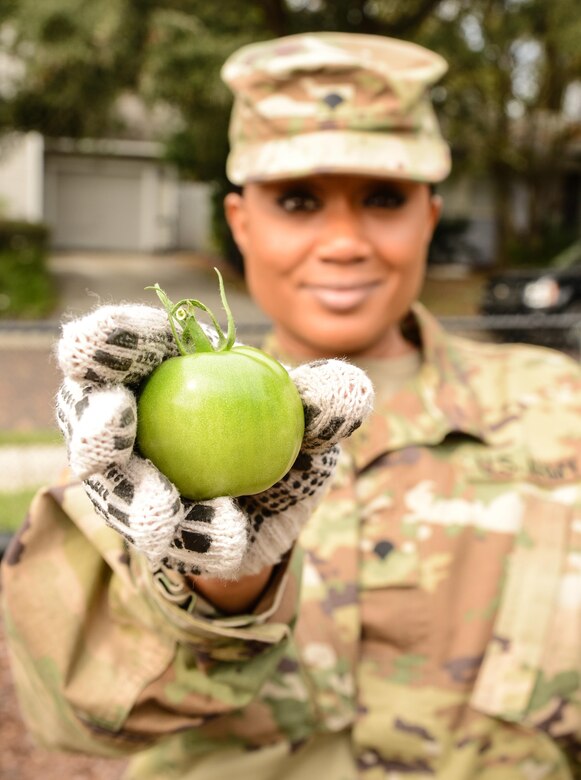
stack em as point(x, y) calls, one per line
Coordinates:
point(21, 438)
point(446, 297)
point(13, 508)
point(14, 505)
point(28, 288)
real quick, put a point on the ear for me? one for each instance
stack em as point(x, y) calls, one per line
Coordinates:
point(436, 205)
point(235, 211)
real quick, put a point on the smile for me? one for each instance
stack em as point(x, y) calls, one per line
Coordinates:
point(341, 298)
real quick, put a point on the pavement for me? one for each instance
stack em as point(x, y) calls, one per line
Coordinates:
point(29, 376)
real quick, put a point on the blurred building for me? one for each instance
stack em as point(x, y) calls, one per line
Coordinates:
point(102, 195)
point(120, 195)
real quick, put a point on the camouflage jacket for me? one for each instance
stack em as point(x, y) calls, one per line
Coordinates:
point(428, 624)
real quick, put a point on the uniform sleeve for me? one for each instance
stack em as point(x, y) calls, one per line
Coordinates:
point(102, 662)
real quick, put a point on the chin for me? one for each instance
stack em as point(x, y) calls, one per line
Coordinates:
point(339, 344)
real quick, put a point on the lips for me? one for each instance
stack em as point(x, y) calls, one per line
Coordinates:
point(341, 298)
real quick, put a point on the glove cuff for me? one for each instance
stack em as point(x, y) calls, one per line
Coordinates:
point(277, 517)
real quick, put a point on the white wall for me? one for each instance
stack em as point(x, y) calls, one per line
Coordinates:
point(195, 216)
point(109, 203)
point(120, 198)
point(21, 176)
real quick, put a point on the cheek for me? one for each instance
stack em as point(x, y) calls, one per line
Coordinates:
point(268, 266)
point(273, 252)
point(403, 248)
point(404, 244)
point(275, 248)
point(259, 285)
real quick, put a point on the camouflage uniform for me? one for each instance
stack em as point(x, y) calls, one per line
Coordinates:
point(436, 630)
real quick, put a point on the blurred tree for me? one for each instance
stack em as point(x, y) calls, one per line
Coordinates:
point(507, 106)
point(513, 66)
point(77, 58)
point(192, 39)
point(73, 58)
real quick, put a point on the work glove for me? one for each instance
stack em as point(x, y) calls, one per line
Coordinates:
point(104, 357)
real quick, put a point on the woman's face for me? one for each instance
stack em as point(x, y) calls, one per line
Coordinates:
point(335, 260)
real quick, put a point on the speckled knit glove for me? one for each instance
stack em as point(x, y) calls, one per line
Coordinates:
point(104, 356)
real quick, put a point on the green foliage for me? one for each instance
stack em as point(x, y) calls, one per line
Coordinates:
point(551, 244)
point(26, 286)
point(17, 235)
point(76, 57)
point(501, 105)
point(186, 53)
point(80, 56)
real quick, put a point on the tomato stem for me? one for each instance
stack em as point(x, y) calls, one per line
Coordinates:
point(192, 337)
point(231, 332)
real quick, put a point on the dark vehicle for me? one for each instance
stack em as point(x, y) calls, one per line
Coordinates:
point(537, 305)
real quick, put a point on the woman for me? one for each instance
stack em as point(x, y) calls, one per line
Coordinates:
point(435, 632)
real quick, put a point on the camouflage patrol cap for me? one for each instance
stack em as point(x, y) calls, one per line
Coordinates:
point(334, 103)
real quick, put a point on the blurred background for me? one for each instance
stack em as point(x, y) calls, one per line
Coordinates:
point(113, 139)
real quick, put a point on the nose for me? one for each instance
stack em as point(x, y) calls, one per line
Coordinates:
point(342, 238)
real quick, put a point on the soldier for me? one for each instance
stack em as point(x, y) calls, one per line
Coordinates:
point(416, 613)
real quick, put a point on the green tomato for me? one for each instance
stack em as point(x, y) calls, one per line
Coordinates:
point(226, 423)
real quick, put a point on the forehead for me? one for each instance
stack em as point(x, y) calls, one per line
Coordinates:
point(333, 182)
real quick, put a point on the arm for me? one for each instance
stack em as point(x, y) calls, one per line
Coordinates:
point(94, 649)
point(100, 648)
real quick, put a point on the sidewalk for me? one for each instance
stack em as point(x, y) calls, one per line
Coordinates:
point(29, 376)
point(88, 279)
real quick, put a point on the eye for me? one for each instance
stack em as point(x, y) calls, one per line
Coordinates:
point(298, 200)
point(385, 197)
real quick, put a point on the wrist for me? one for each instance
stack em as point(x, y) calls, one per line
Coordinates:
point(233, 596)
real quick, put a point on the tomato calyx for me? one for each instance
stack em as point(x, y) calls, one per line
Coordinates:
point(189, 335)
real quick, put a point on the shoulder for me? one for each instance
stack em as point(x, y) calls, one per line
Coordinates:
point(499, 367)
point(515, 366)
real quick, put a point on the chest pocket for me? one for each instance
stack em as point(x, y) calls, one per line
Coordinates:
point(531, 670)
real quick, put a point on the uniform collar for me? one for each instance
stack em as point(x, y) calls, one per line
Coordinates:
point(439, 401)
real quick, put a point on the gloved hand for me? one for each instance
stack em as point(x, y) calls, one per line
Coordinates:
point(104, 356)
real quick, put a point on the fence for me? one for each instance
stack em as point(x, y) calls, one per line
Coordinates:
point(559, 331)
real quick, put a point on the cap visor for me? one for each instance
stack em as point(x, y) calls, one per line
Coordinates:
point(398, 156)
